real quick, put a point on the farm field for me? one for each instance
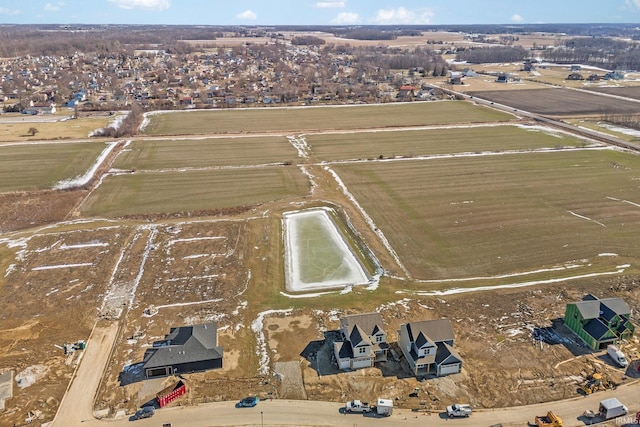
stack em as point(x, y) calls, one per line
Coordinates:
point(434, 142)
point(503, 214)
point(16, 127)
point(194, 233)
point(199, 153)
point(559, 102)
point(40, 166)
point(290, 120)
point(158, 193)
point(627, 91)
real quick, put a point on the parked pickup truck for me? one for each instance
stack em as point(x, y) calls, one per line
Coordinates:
point(357, 406)
point(459, 410)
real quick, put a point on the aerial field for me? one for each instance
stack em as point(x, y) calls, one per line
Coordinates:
point(290, 120)
point(503, 214)
point(455, 140)
point(25, 167)
point(626, 91)
point(15, 127)
point(559, 102)
point(198, 153)
point(200, 190)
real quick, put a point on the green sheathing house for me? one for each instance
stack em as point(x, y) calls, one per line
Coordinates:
point(599, 322)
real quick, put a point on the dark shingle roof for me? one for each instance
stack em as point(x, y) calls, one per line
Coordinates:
point(185, 344)
point(596, 328)
point(344, 349)
point(446, 351)
point(358, 337)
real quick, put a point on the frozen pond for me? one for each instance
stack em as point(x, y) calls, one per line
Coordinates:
point(316, 254)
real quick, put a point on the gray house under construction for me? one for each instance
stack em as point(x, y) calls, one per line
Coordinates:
point(185, 349)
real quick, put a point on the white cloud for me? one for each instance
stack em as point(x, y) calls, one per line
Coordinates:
point(401, 15)
point(49, 7)
point(633, 4)
point(517, 18)
point(142, 4)
point(10, 12)
point(248, 15)
point(330, 4)
point(346, 18)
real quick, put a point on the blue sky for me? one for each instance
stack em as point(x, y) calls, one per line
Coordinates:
point(318, 12)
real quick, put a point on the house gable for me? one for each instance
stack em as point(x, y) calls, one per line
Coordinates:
point(429, 344)
point(364, 341)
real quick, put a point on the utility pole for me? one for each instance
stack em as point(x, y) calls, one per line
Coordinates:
point(261, 419)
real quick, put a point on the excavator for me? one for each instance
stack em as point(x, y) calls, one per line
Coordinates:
point(594, 383)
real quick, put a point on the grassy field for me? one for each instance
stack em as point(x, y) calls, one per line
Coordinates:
point(369, 145)
point(479, 216)
point(13, 130)
point(170, 192)
point(194, 153)
point(300, 120)
point(39, 166)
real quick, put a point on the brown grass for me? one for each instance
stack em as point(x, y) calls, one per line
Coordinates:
point(484, 216)
point(299, 120)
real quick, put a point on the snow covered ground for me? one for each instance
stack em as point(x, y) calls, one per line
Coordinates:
point(298, 255)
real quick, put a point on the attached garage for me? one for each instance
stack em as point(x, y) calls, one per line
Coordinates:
point(449, 369)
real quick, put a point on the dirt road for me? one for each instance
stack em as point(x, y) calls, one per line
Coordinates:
point(77, 404)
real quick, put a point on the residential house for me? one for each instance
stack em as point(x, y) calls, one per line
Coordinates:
point(503, 78)
point(428, 347)
point(185, 349)
point(614, 75)
point(599, 322)
point(364, 341)
point(406, 92)
point(455, 78)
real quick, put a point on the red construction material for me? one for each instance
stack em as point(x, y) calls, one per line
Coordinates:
point(171, 393)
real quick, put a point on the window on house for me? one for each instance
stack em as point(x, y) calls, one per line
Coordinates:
point(379, 338)
point(362, 350)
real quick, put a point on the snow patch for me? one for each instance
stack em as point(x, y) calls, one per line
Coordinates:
point(54, 267)
point(257, 326)
point(30, 375)
point(79, 181)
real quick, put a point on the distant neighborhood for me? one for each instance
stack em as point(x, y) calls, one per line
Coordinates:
point(247, 75)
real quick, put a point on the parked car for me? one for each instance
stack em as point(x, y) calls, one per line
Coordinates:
point(146, 412)
point(247, 402)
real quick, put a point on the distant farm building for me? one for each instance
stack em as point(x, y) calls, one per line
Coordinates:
point(599, 322)
point(455, 78)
